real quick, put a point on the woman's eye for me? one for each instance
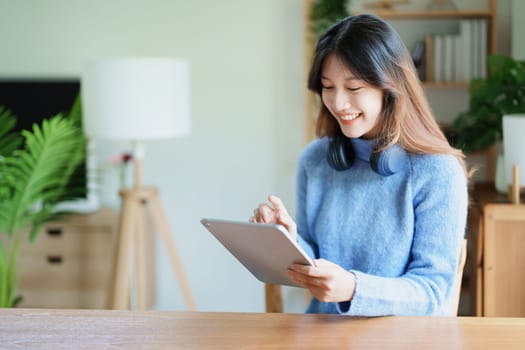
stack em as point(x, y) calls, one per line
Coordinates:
point(354, 89)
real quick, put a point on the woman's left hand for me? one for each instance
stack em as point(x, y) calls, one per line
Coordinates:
point(328, 282)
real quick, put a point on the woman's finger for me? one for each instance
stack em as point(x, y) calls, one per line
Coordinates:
point(278, 204)
point(282, 215)
point(264, 214)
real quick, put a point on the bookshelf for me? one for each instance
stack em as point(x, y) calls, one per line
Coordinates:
point(433, 14)
point(489, 15)
point(452, 56)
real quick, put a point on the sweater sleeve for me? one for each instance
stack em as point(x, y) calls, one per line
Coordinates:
point(308, 157)
point(440, 209)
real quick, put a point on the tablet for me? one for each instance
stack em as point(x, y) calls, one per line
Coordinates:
point(266, 250)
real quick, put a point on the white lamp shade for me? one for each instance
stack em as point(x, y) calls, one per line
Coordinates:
point(514, 145)
point(136, 98)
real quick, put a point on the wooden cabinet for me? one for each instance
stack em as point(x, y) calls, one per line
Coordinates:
point(70, 263)
point(495, 282)
point(503, 277)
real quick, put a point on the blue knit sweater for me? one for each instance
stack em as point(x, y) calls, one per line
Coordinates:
point(400, 234)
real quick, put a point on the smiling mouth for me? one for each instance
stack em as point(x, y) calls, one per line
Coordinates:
point(349, 117)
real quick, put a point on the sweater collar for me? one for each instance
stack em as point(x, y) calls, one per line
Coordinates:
point(363, 148)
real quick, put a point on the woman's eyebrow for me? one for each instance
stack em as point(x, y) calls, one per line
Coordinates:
point(346, 79)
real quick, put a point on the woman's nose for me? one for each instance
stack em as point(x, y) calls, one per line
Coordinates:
point(341, 101)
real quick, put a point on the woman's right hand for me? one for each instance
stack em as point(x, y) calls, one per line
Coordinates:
point(275, 213)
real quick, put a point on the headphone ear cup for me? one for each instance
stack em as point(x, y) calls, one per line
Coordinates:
point(340, 154)
point(389, 161)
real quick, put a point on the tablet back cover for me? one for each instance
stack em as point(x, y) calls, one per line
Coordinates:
point(266, 250)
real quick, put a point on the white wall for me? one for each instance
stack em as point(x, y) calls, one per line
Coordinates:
point(518, 29)
point(246, 59)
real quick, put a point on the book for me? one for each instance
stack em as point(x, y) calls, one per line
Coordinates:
point(439, 58)
point(464, 69)
point(483, 47)
point(429, 57)
point(448, 55)
point(458, 59)
point(475, 49)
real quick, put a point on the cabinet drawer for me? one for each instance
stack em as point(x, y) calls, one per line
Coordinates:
point(72, 272)
point(72, 240)
point(62, 298)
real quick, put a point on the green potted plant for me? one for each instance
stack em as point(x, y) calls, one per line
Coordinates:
point(501, 92)
point(36, 170)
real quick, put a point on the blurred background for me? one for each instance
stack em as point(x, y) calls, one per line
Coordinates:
point(248, 63)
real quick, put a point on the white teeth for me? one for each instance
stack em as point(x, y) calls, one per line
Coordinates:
point(350, 116)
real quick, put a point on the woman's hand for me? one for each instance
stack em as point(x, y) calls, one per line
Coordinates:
point(275, 214)
point(328, 282)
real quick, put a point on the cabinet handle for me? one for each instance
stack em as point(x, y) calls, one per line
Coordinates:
point(54, 259)
point(54, 231)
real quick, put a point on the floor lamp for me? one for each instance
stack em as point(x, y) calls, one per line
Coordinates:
point(138, 99)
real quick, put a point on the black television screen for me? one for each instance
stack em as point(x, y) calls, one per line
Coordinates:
point(32, 100)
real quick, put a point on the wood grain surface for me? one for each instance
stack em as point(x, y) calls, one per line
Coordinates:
point(104, 329)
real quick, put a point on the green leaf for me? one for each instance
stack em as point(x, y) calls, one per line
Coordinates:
point(8, 274)
point(11, 274)
point(4, 283)
point(9, 140)
point(41, 170)
point(75, 114)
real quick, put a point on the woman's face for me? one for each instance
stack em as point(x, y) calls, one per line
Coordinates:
point(354, 104)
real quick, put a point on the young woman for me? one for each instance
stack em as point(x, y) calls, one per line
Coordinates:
point(381, 195)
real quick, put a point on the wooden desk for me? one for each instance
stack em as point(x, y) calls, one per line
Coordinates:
point(109, 329)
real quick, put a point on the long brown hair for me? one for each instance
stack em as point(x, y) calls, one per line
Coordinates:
point(373, 51)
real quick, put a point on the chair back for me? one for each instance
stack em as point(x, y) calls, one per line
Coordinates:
point(454, 306)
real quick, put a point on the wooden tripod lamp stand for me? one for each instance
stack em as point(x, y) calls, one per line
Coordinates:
point(138, 99)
